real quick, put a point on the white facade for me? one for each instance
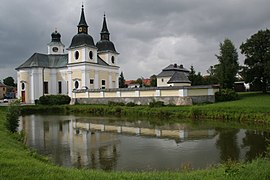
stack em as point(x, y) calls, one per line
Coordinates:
point(83, 67)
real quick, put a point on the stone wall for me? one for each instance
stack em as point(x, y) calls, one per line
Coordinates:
point(203, 99)
point(179, 101)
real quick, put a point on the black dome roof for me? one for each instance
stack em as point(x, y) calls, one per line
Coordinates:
point(82, 39)
point(56, 36)
point(105, 45)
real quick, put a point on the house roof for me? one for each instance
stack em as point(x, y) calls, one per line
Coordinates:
point(176, 73)
point(2, 85)
point(146, 81)
point(132, 82)
point(168, 71)
point(128, 82)
point(179, 77)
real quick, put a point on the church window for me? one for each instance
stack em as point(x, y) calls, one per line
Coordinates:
point(23, 86)
point(162, 80)
point(103, 82)
point(76, 84)
point(46, 87)
point(59, 87)
point(91, 81)
point(112, 59)
point(91, 54)
point(77, 55)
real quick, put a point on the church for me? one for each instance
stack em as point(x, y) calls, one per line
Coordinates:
point(86, 65)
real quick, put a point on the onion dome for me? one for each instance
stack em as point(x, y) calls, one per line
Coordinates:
point(56, 36)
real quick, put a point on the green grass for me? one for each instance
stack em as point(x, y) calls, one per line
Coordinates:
point(252, 108)
point(18, 162)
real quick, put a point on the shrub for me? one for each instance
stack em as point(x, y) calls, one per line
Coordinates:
point(12, 116)
point(118, 111)
point(195, 113)
point(156, 103)
point(54, 100)
point(112, 103)
point(226, 95)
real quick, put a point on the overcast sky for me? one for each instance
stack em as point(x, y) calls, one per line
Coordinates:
point(148, 34)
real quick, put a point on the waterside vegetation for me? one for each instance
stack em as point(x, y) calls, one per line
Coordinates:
point(251, 108)
point(18, 162)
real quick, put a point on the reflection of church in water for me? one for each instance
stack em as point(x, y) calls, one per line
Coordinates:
point(93, 144)
point(79, 148)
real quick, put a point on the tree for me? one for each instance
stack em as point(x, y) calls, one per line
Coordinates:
point(257, 52)
point(227, 143)
point(122, 81)
point(228, 65)
point(153, 81)
point(211, 78)
point(196, 79)
point(139, 81)
point(9, 81)
point(192, 75)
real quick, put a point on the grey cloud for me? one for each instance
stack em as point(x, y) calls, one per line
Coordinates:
point(148, 34)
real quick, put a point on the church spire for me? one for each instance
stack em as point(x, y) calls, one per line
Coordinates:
point(105, 35)
point(82, 26)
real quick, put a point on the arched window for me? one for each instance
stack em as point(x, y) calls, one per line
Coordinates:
point(76, 84)
point(77, 55)
point(23, 86)
point(112, 59)
point(91, 55)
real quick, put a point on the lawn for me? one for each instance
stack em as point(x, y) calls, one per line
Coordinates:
point(252, 108)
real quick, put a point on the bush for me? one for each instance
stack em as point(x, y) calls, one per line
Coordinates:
point(226, 95)
point(112, 103)
point(54, 100)
point(12, 116)
point(156, 103)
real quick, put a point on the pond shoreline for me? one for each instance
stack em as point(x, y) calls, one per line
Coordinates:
point(251, 109)
point(16, 161)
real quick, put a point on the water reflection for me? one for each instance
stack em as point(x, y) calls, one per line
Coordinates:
point(257, 143)
point(227, 143)
point(100, 143)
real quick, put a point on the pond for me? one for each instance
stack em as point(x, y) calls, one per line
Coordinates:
point(114, 144)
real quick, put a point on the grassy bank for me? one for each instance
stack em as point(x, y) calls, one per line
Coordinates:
point(252, 108)
point(17, 162)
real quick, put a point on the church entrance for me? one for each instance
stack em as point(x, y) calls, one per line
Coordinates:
point(23, 96)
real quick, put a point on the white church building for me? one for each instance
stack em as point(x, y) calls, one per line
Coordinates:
point(86, 65)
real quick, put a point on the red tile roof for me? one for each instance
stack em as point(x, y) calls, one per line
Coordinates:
point(145, 82)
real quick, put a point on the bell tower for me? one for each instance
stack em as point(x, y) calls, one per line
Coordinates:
point(56, 46)
point(106, 49)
